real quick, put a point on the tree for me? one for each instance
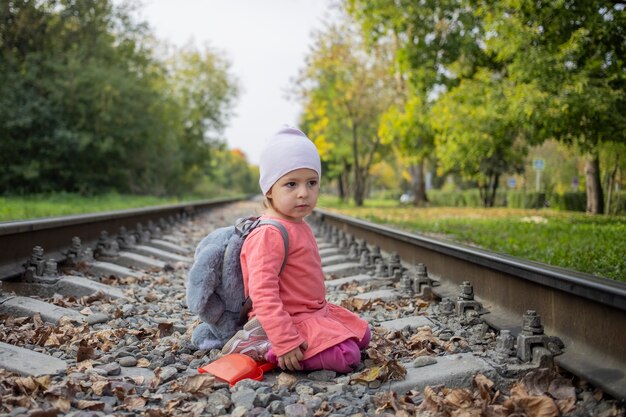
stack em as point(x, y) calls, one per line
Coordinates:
point(85, 105)
point(346, 89)
point(435, 44)
point(409, 129)
point(77, 98)
point(476, 134)
point(569, 57)
point(200, 83)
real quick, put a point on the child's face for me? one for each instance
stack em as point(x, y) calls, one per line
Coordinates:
point(294, 195)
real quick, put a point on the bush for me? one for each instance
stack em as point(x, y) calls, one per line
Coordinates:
point(525, 199)
point(385, 195)
point(618, 203)
point(572, 201)
point(464, 198)
point(577, 201)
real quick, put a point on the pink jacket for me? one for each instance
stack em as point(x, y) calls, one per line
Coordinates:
point(292, 308)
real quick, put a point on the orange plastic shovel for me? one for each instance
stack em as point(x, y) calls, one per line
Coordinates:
point(234, 367)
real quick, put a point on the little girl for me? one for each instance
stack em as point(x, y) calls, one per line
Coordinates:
point(291, 323)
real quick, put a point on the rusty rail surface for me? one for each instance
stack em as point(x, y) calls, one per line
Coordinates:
point(17, 239)
point(587, 312)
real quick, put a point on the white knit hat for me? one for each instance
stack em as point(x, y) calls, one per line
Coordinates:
point(287, 150)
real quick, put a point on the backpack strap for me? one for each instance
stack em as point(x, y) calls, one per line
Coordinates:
point(246, 225)
point(283, 231)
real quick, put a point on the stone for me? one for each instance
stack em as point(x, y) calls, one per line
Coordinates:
point(424, 361)
point(244, 397)
point(112, 369)
point(239, 412)
point(127, 361)
point(296, 410)
point(302, 389)
point(276, 407)
point(168, 373)
point(218, 403)
point(322, 375)
point(96, 318)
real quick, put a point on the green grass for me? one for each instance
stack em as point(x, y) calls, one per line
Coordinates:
point(592, 244)
point(14, 208)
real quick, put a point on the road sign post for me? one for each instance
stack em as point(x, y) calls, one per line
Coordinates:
point(511, 182)
point(538, 166)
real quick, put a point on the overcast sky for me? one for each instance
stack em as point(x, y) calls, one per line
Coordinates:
point(266, 42)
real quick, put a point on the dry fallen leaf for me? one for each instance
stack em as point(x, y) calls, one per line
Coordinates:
point(143, 363)
point(384, 400)
point(132, 403)
point(37, 320)
point(90, 405)
point(459, 398)
point(86, 311)
point(27, 385)
point(100, 387)
point(533, 406)
point(52, 341)
point(383, 369)
point(357, 304)
point(63, 404)
point(193, 409)
point(165, 329)
point(201, 383)
point(155, 412)
point(138, 380)
point(485, 386)
point(368, 375)
point(85, 351)
point(286, 380)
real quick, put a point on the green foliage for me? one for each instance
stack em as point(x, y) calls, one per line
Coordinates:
point(570, 240)
point(433, 48)
point(476, 135)
point(500, 76)
point(384, 195)
point(526, 199)
point(567, 201)
point(434, 41)
point(345, 90)
point(464, 198)
point(87, 107)
point(568, 61)
point(582, 45)
point(571, 201)
point(618, 204)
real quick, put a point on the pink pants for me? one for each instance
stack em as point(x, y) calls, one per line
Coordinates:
point(343, 357)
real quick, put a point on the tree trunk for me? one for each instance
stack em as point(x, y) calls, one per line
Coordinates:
point(610, 181)
point(344, 181)
point(418, 184)
point(494, 188)
point(595, 198)
point(359, 187)
point(341, 188)
point(359, 194)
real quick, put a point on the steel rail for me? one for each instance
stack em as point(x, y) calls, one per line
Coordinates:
point(55, 234)
point(587, 312)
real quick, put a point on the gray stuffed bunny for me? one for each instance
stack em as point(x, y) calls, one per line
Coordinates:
point(215, 288)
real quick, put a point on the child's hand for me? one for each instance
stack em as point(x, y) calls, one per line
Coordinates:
point(291, 360)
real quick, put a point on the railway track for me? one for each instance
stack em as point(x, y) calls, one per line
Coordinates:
point(108, 333)
point(586, 312)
